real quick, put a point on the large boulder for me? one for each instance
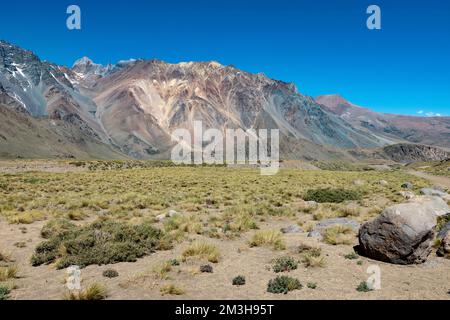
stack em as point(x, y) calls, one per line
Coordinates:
point(434, 204)
point(401, 234)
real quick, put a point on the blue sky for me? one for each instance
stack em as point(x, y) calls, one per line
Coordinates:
point(322, 46)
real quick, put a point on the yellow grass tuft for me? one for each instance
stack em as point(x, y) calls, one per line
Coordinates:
point(203, 250)
point(338, 234)
point(171, 289)
point(268, 238)
point(95, 291)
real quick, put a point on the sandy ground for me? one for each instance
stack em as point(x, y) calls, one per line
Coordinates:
point(437, 180)
point(337, 280)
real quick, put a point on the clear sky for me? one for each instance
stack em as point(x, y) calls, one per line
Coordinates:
point(322, 46)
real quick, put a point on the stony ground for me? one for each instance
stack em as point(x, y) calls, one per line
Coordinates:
point(221, 207)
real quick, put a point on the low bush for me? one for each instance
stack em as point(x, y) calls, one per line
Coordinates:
point(102, 242)
point(284, 264)
point(4, 293)
point(206, 268)
point(331, 195)
point(283, 284)
point(363, 287)
point(110, 273)
point(239, 281)
point(312, 285)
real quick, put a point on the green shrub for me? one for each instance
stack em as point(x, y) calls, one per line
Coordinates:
point(351, 256)
point(206, 268)
point(363, 287)
point(312, 285)
point(239, 281)
point(4, 293)
point(283, 284)
point(102, 242)
point(110, 273)
point(284, 264)
point(174, 262)
point(331, 195)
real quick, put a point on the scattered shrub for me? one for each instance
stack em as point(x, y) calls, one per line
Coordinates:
point(351, 256)
point(4, 293)
point(102, 242)
point(338, 234)
point(110, 273)
point(363, 287)
point(269, 238)
point(206, 268)
point(95, 291)
point(239, 281)
point(284, 264)
point(312, 285)
point(202, 250)
point(174, 262)
point(311, 257)
point(171, 289)
point(331, 195)
point(161, 270)
point(7, 273)
point(283, 284)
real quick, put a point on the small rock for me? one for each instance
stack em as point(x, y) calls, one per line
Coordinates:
point(407, 194)
point(293, 228)
point(383, 183)
point(314, 234)
point(407, 185)
point(172, 213)
point(433, 192)
point(358, 182)
point(324, 224)
point(161, 217)
point(440, 188)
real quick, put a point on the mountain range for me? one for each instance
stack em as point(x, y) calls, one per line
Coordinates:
point(130, 109)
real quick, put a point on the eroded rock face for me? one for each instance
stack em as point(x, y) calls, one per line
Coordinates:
point(401, 234)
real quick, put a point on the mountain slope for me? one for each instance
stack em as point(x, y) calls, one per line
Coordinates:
point(424, 130)
point(24, 136)
point(133, 107)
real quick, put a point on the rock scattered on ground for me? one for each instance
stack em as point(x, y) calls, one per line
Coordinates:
point(324, 224)
point(293, 228)
point(407, 194)
point(407, 185)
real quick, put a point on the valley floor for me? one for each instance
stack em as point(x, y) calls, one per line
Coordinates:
point(219, 207)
